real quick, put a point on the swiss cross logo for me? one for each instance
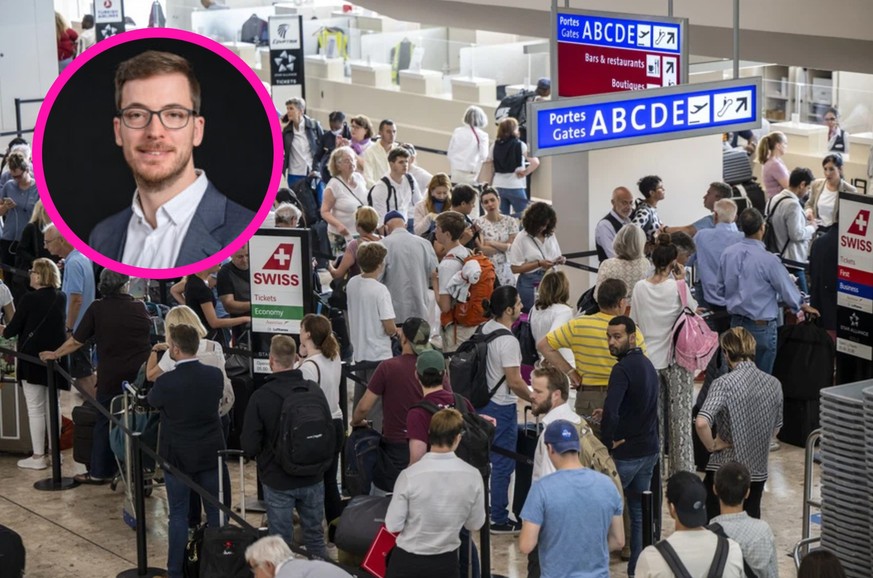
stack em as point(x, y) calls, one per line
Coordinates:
point(281, 258)
point(859, 224)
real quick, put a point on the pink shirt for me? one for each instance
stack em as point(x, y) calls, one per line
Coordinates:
point(773, 170)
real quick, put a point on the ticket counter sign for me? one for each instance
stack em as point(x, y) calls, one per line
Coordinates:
point(602, 52)
point(855, 276)
point(610, 120)
point(279, 273)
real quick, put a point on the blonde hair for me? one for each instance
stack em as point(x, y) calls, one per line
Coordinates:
point(738, 344)
point(183, 315)
point(61, 26)
point(333, 161)
point(767, 144)
point(283, 348)
point(39, 216)
point(47, 272)
point(367, 219)
point(554, 288)
point(438, 180)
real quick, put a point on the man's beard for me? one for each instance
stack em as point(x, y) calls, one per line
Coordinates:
point(155, 183)
point(542, 408)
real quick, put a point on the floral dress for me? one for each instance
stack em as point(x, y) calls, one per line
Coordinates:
point(499, 231)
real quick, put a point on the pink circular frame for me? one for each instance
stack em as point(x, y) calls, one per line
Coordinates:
point(108, 44)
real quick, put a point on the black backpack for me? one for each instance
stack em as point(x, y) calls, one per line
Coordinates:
point(304, 196)
point(716, 569)
point(305, 438)
point(514, 106)
point(769, 239)
point(392, 192)
point(467, 368)
point(524, 334)
point(475, 446)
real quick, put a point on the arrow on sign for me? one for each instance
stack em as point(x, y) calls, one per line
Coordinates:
point(670, 66)
point(742, 103)
point(671, 37)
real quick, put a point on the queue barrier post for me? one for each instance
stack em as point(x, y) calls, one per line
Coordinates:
point(648, 518)
point(142, 569)
point(56, 482)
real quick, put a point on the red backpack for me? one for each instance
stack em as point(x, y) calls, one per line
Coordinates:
point(472, 313)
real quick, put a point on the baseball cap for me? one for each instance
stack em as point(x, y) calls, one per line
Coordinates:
point(686, 492)
point(417, 331)
point(430, 359)
point(562, 436)
point(392, 215)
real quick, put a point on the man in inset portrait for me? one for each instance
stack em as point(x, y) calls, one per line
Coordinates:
point(177, 216)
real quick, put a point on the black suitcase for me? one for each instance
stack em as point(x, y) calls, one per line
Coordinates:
point(222, 554)
point(526, 445)
point(84, 418)
point(243, 387)
point(12, 555)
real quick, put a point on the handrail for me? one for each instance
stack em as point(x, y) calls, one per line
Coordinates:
point(808, 502)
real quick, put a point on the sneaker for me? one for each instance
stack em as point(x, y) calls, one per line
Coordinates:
point(774, 446)
point(508, 527)
point(33, 463)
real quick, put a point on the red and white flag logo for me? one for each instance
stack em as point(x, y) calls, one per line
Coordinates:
point(860, 223)
point(281, 258)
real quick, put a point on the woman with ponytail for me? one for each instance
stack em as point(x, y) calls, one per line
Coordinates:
point(655, 305)
point(774, 173)
point(503, 377)
point(321, 363)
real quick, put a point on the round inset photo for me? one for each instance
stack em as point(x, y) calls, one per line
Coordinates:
point(158, 153)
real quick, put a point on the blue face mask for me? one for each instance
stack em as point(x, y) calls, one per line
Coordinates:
point(438, 205)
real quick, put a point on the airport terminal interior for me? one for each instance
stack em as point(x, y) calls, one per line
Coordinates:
point(805, 67)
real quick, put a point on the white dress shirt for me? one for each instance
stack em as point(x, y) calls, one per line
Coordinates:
point(158, 248)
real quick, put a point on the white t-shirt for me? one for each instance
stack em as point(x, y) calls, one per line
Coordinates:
point(526, 248)
point(544, 321)
point(328, 379)
point(502, 352)
point(347, 201)
point(5, 296)
point(509, 180)
point(695, 548)
point(449, 265)
point(655, 308)
point(369, 304)
point(827, 202)
point(403, 198)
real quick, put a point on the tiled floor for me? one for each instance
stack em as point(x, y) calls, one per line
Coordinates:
point(80, 532)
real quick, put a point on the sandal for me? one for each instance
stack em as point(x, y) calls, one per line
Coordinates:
point(87, 479)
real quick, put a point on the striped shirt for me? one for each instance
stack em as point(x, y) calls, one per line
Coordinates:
point(755, 539)
point(585, 336)
point(746, 407)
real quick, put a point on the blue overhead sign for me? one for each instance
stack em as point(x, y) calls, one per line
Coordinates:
point(604, 121)
point(619, 32)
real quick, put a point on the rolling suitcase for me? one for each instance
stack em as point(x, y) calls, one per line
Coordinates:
point(84, 418)
point(526, 446)
point(222, 551)
point(14, 429)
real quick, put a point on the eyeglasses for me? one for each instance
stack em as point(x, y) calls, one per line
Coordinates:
point(173, 118)
point(830, 118)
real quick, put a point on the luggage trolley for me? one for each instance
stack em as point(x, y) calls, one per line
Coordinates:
point(131, 409)
point(802, 547)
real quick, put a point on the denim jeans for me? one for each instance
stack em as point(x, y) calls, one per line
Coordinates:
point(514, 198)
point(309, 501)
point(765, 340)
point(526, 285)
point(636, 477)
point(505, 436)
point(178, 496)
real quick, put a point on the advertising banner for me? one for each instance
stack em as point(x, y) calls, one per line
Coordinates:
point(286, 50)
point(855, 277)
point(602, 52)
point(108, 18)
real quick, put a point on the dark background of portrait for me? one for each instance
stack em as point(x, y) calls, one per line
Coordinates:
point(85, 171)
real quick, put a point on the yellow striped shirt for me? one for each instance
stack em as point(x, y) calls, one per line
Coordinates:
point(585, 336)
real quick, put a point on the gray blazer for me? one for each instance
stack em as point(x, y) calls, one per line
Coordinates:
point(216, 223)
